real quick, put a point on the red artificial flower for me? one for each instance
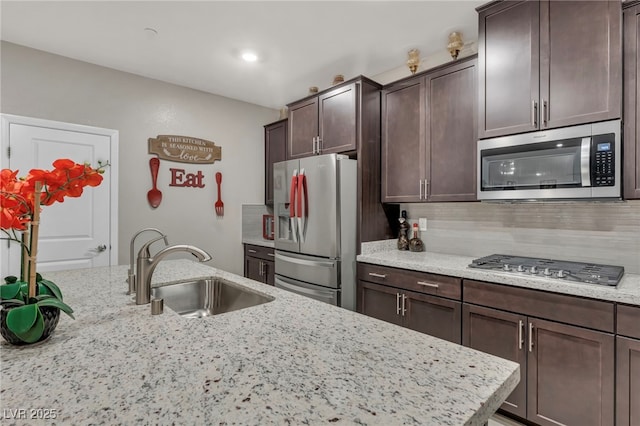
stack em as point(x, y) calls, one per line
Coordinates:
point(17, 196)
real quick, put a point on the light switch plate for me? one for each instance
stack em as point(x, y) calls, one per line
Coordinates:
point(422, 223)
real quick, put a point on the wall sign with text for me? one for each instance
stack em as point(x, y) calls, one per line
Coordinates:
point(184, 149)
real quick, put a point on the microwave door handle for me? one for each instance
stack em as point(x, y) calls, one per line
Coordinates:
point(585, 162)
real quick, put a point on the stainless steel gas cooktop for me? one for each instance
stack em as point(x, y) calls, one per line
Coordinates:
point(560, 269)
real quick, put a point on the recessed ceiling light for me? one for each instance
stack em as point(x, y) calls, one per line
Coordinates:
point(249, 56)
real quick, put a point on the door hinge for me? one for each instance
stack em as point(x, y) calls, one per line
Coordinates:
point(8, 152)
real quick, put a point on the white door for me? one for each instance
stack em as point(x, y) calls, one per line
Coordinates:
point(79, 232)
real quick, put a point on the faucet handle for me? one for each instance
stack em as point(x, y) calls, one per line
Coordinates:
point(144, 250)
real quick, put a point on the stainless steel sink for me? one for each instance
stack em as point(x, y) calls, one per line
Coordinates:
point(207, 296)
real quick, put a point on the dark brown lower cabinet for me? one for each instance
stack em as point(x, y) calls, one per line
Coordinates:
point(628, 365)
point(427, 314)
point(627, 381)
point(259, 264)
point(569, 375)
point(565, 371)
point(501, 334)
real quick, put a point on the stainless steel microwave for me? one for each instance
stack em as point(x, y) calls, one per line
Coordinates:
point(568, 163)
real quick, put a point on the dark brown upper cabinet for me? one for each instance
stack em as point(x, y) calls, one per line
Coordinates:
point(275, 150)
point(631, 178)
point(346, 119)
point(429, 133)
point(325, 123)
point(547, 64)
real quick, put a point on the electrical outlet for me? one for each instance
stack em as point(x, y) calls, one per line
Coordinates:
point(422, 223)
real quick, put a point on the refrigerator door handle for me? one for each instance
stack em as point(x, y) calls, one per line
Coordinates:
point(304, 262)
point(292, 204)
point(305, 202)
point(302, 204)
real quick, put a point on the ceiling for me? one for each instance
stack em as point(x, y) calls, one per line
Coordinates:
point(198, 43)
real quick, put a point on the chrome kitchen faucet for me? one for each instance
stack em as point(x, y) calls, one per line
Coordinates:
point(131, 280)
point(147, 264)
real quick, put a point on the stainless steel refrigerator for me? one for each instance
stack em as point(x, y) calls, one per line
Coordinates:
point(315, 228)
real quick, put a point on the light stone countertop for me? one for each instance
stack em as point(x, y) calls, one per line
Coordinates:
point(290, 361)
point(258, 242)
point(385, 253)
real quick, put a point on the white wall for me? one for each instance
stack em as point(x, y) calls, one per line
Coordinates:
point(43, 85)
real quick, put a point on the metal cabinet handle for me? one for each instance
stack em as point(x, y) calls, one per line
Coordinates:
point(545, 112)
point(397, 303)
point(404, 299)
point(534, 114)
point(319, 145)
point(252, 251)
point(426, 189)
point(421, 183)
point(271, 254)
point(433, 285)
point(260, 270)
point(373, 274)
point(520, 332)
point(530, 337)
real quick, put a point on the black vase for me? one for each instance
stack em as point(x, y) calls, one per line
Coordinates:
point(50, 315)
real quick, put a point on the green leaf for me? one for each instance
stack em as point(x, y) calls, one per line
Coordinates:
point(9, 291)
point(35, 332)
point(51, 288)
point(21, 319)
point(52, 301)
point(12, 302)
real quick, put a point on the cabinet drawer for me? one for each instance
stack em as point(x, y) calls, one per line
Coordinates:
point(422, 282)
point(628, 320)
point(589, 313)
point(266, 253)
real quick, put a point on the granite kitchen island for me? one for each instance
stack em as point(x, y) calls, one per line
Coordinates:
point(290, 361)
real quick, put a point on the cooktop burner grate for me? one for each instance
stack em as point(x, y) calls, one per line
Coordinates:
point(571, 271)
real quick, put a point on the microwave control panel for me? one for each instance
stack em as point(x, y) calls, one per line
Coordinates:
point(603, 160)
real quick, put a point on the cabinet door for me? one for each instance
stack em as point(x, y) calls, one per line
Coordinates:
point(275, 149)
point(570, 377)
point(303, 128)
point(337, 120)
point(268, 276)
point(631, 103)
point(502, 334)
point(451, 133)
point(435, 316)
point(580, 62)
point(627, 382)
point(508, 68)
point(253, 268)
point(403, 141)
point(379, 301)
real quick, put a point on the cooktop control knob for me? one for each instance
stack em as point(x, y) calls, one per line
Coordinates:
point(562, 273)
point(534, 269)
point(521, 268)
point(506, 267)
point(547, 272)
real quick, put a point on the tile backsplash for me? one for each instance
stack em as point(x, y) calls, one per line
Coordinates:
point(600, 232)
point(252, 220)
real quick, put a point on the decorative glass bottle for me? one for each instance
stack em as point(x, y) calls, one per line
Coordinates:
point(403, 234)
point(415, 243)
